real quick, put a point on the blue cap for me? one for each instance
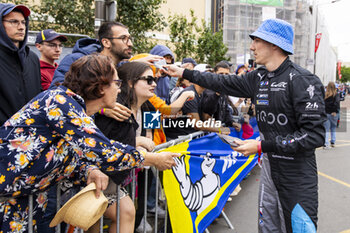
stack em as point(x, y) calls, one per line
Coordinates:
point(277, 32)
point(189, 60)
point(25, 10)
point(49, 35)
point(239, 67)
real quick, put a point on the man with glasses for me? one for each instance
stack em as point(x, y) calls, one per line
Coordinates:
point(115, 42)
point(19, 67)
point(49, 43)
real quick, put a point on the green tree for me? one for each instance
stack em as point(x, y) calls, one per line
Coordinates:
point(210, 47)
point(78, 17)
point(205, 46)
point(65, 16)
point(182, 34)
point(141, 17)
point(345, 72)
point(75, 17)
point(17, 2)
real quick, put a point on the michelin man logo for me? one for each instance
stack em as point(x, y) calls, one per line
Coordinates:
point(151, 120)
point(197, 196)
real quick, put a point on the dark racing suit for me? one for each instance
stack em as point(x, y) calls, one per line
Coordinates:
point(290, 112)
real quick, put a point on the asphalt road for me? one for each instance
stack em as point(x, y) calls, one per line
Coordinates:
point(334, 189)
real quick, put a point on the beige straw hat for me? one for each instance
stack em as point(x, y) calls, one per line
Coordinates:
point(83, 209)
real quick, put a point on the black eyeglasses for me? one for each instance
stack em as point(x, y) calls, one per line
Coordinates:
point(125, 39)
point(15, 22)
point(118, 82)
point(149, 78)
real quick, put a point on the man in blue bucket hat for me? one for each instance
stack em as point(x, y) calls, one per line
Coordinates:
point(290, 112)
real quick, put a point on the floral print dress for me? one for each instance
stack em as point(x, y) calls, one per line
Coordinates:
point(50, 139)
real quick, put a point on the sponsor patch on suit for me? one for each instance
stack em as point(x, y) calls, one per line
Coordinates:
point(262, 102)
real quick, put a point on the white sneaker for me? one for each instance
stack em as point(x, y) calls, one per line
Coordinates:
point(140, 228)
point(161, 212)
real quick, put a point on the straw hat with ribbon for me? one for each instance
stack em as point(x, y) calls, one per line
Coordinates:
point(83, 209)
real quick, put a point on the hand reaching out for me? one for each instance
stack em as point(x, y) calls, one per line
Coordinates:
point(145, 142)
point(247, 147)
point(174, 71)
point(119, 112)
point(149, 59)
point(162, 160)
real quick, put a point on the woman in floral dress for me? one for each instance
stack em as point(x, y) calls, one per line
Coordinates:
point(53, 138)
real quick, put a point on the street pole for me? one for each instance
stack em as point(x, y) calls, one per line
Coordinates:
point(100, 14)
point(105, 11)
point(245, 32)
point(316, 13)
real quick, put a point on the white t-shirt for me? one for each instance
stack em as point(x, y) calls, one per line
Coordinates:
point(234, 100)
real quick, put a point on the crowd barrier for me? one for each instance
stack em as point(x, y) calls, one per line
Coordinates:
point(158, 185)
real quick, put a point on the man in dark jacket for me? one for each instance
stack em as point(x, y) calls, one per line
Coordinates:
point(19, 67)
point(290, 112)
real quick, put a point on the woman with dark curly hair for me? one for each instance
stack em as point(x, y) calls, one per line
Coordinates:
point(53, 138)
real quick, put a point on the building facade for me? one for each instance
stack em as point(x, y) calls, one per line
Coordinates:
point(239, 18)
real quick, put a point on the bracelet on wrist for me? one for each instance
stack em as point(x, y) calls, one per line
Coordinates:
point(102, 111)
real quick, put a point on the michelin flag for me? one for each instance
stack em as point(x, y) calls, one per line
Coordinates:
point(205, 176)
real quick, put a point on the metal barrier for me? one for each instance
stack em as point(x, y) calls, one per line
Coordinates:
point(133, 192)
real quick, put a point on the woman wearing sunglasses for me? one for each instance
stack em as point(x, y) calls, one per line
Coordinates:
point(137, 87)
point(53, 138)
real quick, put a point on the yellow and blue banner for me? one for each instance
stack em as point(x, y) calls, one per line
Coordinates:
point(206, 174)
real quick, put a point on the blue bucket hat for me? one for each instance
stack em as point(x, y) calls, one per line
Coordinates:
point(277, 32)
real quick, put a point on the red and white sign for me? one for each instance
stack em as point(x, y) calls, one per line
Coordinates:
point(339, 67)
point(317, 41)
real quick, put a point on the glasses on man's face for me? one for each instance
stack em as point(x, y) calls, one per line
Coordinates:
point(15, 22)
point(118, 82)
point(53, 45)
point(149, 78)
point(125, 39)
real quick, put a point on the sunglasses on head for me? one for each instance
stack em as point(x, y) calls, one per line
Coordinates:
point(149, 78)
